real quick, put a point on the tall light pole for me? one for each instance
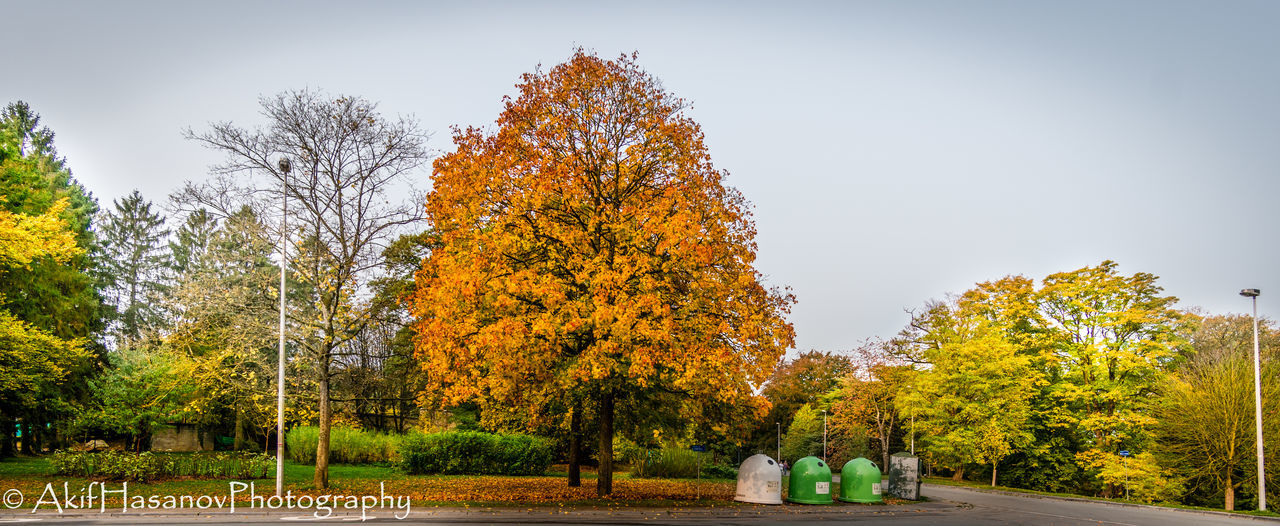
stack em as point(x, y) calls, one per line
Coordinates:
point(913, 432)
point(1257, 398)
point(779, 440)
point(824, 435)
point(284, 263)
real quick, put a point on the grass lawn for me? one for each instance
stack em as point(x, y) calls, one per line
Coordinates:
point(30, 475)
point(980, 485)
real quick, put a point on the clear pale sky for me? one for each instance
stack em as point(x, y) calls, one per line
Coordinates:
point(894, 151)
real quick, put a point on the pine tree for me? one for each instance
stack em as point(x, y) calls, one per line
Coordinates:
point(134, 240)
point(191, 243)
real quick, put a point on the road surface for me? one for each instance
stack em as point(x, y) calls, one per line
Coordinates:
point(1000, 508)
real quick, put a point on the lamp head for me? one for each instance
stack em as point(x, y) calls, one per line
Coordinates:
point(284, 165)
point(1250, 293)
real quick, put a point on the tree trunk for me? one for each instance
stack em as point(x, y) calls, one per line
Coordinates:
point(884, 455)
point(993, 474)
point(35, 439)
point(1230, 495)
point(604, 475)
point(958, 475)
point(239, 443)
point(6, 438)
point(26, 438)
point(575, 447)
point(321, 479)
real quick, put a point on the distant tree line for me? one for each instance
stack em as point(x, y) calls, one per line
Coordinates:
point(1088, 382)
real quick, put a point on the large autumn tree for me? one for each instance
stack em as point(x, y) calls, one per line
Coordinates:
point(591, 257)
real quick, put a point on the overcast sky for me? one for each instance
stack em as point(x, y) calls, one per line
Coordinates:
point(894, 151)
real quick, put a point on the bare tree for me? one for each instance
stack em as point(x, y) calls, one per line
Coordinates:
point(349, 161)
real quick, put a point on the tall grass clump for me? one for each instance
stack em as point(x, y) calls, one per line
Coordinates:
point(670, 462)
point(476, 453)
point(346, 445)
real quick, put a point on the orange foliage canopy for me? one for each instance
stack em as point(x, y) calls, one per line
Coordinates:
point(589, 246)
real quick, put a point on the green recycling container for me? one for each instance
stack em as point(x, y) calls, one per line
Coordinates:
point(860, 481)
point(810, 482)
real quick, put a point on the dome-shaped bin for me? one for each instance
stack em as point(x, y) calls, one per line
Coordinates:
point(810, 482)
point(759, 481)
point(860, 481)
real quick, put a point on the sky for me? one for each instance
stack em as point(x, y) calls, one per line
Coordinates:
point(894, 151)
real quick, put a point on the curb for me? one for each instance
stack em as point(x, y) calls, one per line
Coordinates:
point(1106, 502)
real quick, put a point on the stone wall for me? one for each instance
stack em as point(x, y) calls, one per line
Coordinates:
point(180, 437)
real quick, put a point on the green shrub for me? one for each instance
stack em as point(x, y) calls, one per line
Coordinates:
point(141, 467)
point(476, 453)
point(346, 445)
point(719, 471)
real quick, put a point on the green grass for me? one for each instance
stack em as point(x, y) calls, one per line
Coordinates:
point(981, 485)
point(24, 466)
point(31, 474)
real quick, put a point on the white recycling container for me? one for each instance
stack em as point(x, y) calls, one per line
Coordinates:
point(759, 481)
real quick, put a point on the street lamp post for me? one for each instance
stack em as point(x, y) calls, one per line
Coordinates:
point(824, 435)
point(779, 440)
point(1257, 398)
point(284, 262)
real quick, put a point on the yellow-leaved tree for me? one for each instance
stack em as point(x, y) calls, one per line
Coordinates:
point(30, 357)
point(590, 258)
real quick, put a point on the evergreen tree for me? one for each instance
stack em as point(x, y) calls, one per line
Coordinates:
point(191, 243)
point(134, 239)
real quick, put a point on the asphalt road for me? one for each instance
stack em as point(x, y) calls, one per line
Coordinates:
point(948, 506)
point(1016, 509)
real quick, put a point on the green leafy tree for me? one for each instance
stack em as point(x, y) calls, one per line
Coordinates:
point(137, 259)
point(142, 390)
point(1115, 337)
point(1206, 411)
point(1010, 306)
point(804, 435)
point(973, 404)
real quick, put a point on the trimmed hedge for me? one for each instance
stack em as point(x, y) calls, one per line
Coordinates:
point(476, 453)
point(141, 467)
point(346, 445)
